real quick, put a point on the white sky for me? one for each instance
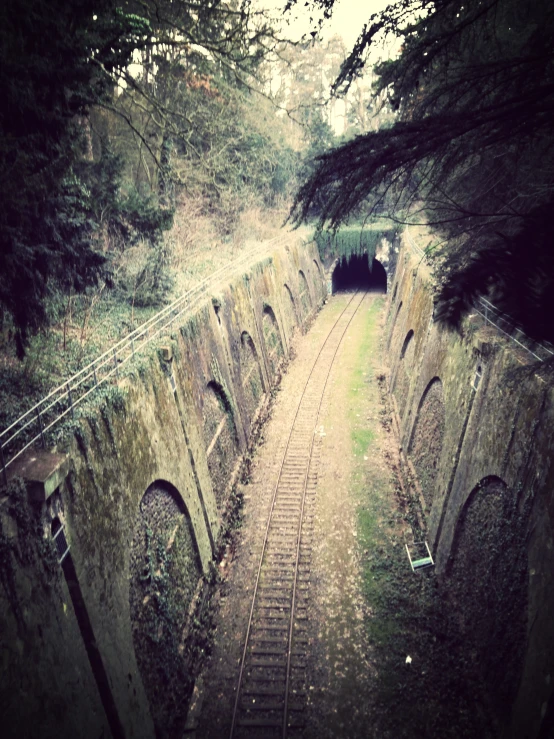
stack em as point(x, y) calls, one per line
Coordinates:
point(347, 20)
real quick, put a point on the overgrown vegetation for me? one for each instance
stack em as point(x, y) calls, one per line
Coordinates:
point(111, 112)
point(27, 548)
point(141, 147)
point(165, 572)
point(470, 152)
point(448, 652)
point(353, 239)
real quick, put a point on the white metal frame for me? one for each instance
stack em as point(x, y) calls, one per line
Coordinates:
point(423, 562)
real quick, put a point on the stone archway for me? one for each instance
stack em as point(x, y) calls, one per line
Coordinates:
point(394, 326)
point(405, 366)
point(164, 573)
point(427, 437)
point(290, 306)
point(251, 374)
point(220, 437)
point(487, 583)
point(304, 292)
point(320, 278)
point(318, 269)
point(272, 337)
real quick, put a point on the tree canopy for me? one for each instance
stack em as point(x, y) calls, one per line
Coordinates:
point(47, 78)
point(471, 152)
point(69, 70)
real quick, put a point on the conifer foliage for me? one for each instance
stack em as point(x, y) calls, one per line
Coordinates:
point(55, 62)
point(472, 151)
point(96, 98)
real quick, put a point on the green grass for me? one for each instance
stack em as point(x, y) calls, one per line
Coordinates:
point(361, 439)
point(372, 490)
point(437, 693)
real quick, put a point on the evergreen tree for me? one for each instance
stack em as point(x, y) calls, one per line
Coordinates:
point(472, 150)
point(63, 62)
point(55, 62)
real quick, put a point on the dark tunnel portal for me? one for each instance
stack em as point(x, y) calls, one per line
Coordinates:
point(354, 274)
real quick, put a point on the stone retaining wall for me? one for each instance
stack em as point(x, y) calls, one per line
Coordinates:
point(475, 421)
point(105, 642)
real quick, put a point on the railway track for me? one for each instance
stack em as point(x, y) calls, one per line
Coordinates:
point(270, 692)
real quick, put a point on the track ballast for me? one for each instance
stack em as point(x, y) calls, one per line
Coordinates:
point(270, 693)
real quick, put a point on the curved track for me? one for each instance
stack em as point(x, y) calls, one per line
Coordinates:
point(269, 699)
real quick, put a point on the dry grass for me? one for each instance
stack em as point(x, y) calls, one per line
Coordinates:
point(197, 247)
point(89, 324)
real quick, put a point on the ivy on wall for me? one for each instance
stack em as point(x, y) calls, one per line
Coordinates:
point(349, 240)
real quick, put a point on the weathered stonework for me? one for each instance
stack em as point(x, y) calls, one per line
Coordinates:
point(149, 473)
point(164, 575)
point(487, 490)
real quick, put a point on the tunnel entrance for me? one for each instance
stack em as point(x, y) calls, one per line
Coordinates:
point(355, 273)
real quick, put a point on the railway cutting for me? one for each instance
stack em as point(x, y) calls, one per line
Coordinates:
point(270, 689)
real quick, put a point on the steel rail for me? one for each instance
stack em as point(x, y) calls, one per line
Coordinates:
point(295, 582)
point(118, 355)
point(139, 331)
point(264, 549)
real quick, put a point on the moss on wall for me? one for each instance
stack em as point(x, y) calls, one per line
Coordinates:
point(493, 544)
point(487, 590)
point(427, 439)
point(134, 568)
point(164, 574)
point(45, 682)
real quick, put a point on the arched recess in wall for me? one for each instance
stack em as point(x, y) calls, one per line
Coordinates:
point(404, 371)
point(394, 326)
point(220, 437)
point(290, 306)
point(304, 292)
point(427, 437)
point(320, 279)
point(251, 373)
point(272, 338)
point(164, 573)
point(486, 585)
